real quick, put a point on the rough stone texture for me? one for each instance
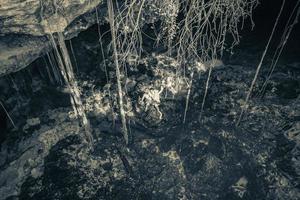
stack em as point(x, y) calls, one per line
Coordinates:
point(203, 159)
point(25, 24)
point(18, 51)
point(30, 153)
point(38, 18)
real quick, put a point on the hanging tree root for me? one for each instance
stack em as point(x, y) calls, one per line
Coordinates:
point(188, 97)
point(66, 69)
point(118, 74)
point(197, 33)
point(245, 105)
point(284, 38)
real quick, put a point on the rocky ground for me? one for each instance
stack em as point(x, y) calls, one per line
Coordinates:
point(45, 157)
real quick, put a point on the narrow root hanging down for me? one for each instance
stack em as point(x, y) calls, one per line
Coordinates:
point(55, 68)
point(291, 22)
point(111, 17)
point(66, 69)
point(245, 105)
point(188, 97)
point(7, 114)
point(105, 65)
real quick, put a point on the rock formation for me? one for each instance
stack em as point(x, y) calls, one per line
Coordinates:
point(25, 25)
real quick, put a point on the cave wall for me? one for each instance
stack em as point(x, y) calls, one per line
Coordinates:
point(24, 26)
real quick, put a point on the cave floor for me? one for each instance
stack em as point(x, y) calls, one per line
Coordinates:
point(205, 158)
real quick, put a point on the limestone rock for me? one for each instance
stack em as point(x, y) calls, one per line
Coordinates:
point(25, 25)
point(35, 17)
point(18, 51)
